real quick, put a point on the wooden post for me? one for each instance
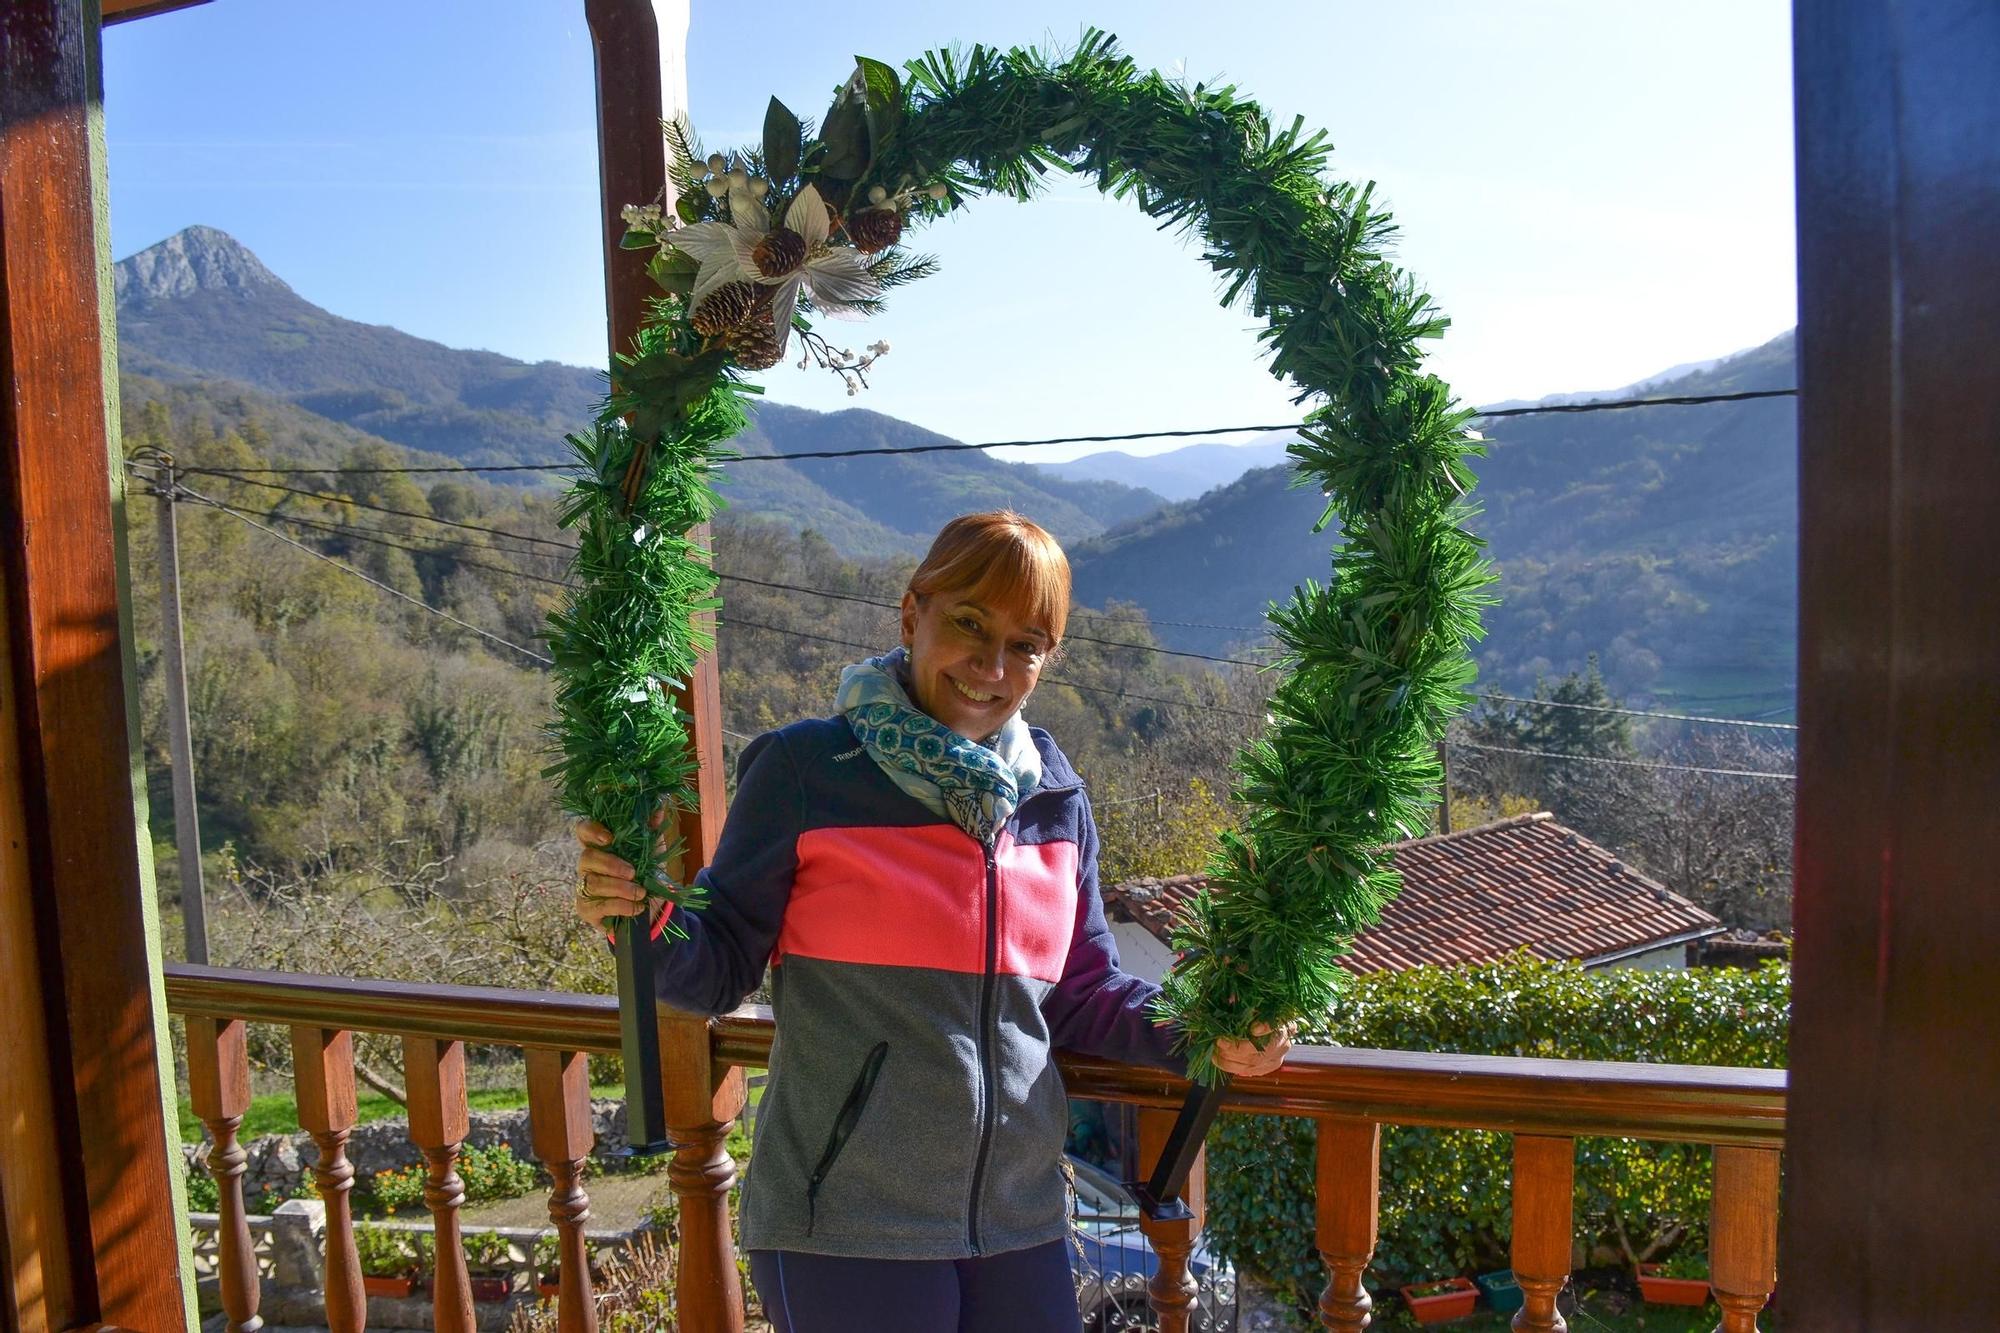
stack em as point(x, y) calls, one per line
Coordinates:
point(1893, 1192)
point(1544, 1181)
point(1172, 1290)
point(632, 52)
point(103, 1244)
point(703, 1100)
point(180, 738)
point(434, 1080)
point(1348, 1181)
point(323, 1082)
point(559, 1111)
point(219, 1092)
point(1743, 1235)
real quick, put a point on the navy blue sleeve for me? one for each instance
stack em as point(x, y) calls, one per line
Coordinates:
point(749, 882)
point(1098, 1008)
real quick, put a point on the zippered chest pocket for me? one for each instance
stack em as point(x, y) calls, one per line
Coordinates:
point(843, 1126)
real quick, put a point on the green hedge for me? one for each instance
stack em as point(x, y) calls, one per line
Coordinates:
point(1445, 1193)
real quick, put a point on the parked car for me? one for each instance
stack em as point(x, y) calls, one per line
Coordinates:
point(1112, 1263)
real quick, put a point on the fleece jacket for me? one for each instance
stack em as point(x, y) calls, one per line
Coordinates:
point(920, 981)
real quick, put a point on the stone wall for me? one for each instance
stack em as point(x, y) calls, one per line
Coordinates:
point(279, 1162)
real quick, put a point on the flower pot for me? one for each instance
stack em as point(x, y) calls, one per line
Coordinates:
point(404, 1285)
point(1502, 1293)
point(1660, 1290)
point(548, 1288)
point(1440, 1305)
point(491, 1286)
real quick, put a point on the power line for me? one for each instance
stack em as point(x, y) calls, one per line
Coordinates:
point(893, 606)
point(1623, 763)
point(344, 531)
point(1046, 680)
point(1603, 405)
point(227, 475)
point(1642, 712)
point(349, 569)
point(355, 532)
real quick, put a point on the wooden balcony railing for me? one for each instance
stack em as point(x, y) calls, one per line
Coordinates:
point(1545, 1104)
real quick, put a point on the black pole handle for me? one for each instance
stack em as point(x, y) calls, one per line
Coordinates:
point(1159, 1195)
point(639, 1039)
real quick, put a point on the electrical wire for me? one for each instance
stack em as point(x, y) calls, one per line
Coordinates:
point(954, 446)
point(1623, 763)
point(345, 568)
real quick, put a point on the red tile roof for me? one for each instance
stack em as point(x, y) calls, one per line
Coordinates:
point(1480, 894)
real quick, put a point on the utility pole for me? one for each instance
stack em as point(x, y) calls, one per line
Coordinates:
point(1444, 762)
point(187, 821)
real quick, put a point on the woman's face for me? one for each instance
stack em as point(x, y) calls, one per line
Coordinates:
point(971, 666)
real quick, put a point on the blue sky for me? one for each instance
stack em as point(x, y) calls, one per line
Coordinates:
point(1592, 191)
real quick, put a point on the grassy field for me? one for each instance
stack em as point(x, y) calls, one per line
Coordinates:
point(278, 1113)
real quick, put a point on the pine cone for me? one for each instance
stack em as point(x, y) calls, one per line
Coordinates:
point(728, 306)
point(874, 229)
point(779, 252)
point(755, 345)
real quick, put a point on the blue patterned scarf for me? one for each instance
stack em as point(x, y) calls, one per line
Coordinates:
point(974, 786)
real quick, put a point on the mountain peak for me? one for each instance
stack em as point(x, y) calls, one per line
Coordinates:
point(191, 260)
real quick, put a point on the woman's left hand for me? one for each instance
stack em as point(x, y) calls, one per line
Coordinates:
point(1259, 1053)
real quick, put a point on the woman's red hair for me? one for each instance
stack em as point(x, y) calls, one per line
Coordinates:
point(1003, 562)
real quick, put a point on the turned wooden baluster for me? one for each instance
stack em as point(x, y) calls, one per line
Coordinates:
point(434, 1079)
point(1348, 1170)
point(1743, 1235)
point(219, 1091)
point(1544, 1181)
point(323, 1081)
point(1172, 1290)
point(702, 1100)
point(559, 1112)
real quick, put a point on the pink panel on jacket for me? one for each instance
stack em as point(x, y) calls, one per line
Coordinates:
point(1037, 907)
point(916, 897)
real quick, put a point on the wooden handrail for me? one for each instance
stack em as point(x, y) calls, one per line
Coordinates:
point(1685, 1103)
point(1350, 1093)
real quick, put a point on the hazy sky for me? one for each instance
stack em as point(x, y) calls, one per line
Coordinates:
point(1593, 192)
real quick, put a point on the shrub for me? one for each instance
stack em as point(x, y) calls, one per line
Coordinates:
point(383, 1252)
point(495, 1173)
point(488, 1252)
point(398, 1191)
point(1445, 1205)
point(488, 1174)
point(203, 1194)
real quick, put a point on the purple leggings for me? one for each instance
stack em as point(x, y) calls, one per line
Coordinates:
point(1021, 1291)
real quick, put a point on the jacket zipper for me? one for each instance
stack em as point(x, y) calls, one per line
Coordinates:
point(989, 1076)
point(843, 1127)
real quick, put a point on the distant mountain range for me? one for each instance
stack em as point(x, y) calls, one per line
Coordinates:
point(200, 312)
point(1664, 539)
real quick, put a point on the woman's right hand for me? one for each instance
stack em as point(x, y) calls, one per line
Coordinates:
point(607, 888)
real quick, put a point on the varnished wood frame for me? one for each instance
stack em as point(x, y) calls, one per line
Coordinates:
point(106, 1249)
point(1892, 1202)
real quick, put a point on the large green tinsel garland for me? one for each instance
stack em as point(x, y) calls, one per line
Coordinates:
point(1375, 662)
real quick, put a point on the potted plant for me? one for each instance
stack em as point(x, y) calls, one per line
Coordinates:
point(1435, 1302)
point(1503, 1294)
point(548, 1266)
point(388, 1261)
point(489, 1259)
point(1681, 1280)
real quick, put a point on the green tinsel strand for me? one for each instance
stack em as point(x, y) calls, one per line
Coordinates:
point(628, 635)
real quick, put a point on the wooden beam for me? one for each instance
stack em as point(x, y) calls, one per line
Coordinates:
point(639, 47)
point(122, 11)
point(69, 773)
point(1893, 1173)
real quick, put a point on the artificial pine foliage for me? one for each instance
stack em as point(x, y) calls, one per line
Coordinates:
point(1375, 661)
